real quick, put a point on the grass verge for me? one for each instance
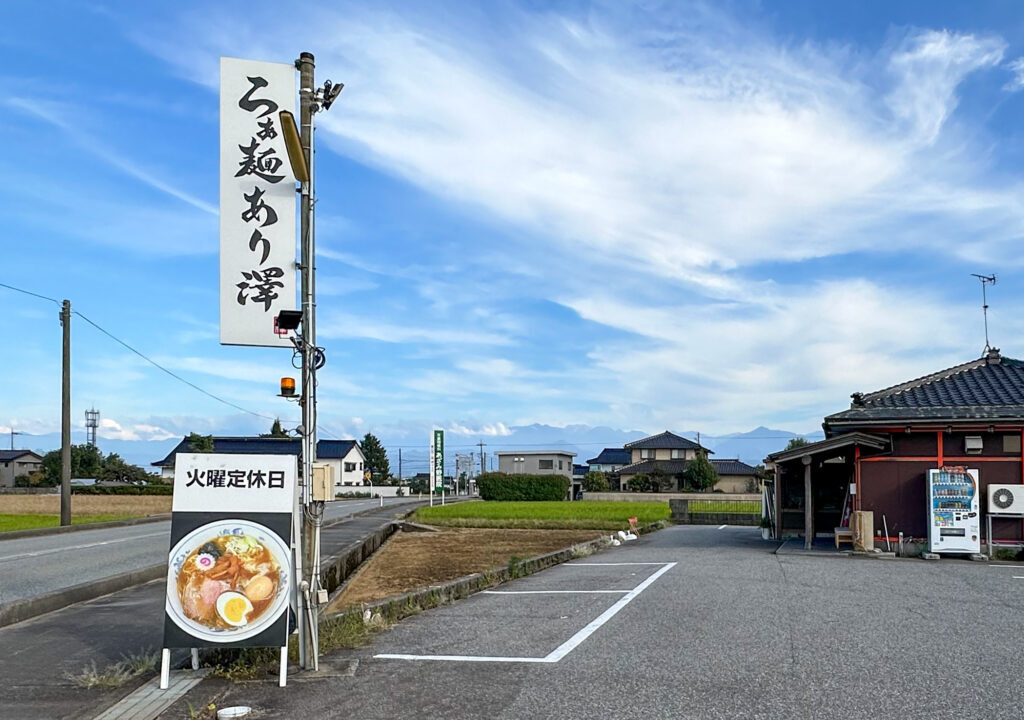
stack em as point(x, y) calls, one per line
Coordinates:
point(31, 521)
point(115, 674)
point(594, 515)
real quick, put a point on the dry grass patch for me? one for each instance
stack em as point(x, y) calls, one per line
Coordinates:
point(123, 505)
point(413, 560)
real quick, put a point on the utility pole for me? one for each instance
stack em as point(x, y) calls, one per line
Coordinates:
point(65, 417)
point(309, 614)
point(13, 433)
point(399, 466)
point(483, 458)
point(301, 156)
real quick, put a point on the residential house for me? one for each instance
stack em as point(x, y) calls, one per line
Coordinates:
point(540, 462)
point(879, 450)
point(536, 462)
point(15, 463)
point(610, 460)
point(670, 455)
point(345, 456)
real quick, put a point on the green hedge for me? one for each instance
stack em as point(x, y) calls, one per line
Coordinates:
point(167, 489)
point(502, 486)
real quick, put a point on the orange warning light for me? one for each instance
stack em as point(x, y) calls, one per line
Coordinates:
point(287, 387)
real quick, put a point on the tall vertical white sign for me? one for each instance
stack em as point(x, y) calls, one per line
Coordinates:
point(257, 203)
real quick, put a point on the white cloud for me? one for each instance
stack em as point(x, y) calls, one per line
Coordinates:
point(798, 353)
point(1017, 68)
point(45, 112)
point(341, 327)
point(111, 429)
point(487, 430)
point(929, 69)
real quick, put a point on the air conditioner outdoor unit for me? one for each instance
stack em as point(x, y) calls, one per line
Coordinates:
point(1006, 499)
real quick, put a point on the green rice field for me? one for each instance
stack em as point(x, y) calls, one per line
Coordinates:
point(558, 514)
point(9, 522)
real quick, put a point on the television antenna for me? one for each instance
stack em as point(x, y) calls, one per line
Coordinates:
point(986, 280)
point(13, 433)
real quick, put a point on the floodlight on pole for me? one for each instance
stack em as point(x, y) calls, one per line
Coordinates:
point(293, 143)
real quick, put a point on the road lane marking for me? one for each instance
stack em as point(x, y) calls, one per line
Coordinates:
point(722, 527)
point(462, 658)
point(1018, 577)
point(37, 553)
point(611, 564)
point(551, 592)
point(565, 648)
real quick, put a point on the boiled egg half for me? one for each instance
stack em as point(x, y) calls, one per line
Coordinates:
point(233, 608)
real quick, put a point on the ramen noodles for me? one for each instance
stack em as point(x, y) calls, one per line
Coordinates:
point(228, 582)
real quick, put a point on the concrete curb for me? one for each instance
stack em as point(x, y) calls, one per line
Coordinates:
point(26, 609)
point(397, 607)
point(60, 529)
point(339, 567)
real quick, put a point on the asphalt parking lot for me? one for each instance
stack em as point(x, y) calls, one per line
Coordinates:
point(690, 622)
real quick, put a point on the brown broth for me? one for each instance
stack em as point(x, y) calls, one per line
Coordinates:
point(191, 578)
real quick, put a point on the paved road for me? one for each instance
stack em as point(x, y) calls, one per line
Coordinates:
point(30, 567)
point(729, 630)
point(36, 654)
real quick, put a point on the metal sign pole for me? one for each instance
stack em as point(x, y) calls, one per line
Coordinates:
point(307, 613)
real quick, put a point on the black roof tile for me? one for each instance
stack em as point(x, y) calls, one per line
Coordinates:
point(612, 456)
point(664, 440)
point(325, 449)
point(989, 388)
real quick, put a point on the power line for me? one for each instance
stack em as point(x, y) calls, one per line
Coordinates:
point(41, 297)
point(157, 365)
point(145, 357)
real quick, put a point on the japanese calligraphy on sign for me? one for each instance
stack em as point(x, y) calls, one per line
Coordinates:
point(257, 203)
point(205, 482)
point(437, 459)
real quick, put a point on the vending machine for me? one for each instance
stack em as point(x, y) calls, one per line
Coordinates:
point(954, 522)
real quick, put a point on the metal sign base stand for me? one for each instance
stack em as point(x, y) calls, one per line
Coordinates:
point(282, 675)
point(988, 528)
point(165, 668)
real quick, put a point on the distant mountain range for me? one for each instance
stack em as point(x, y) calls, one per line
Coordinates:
point(584, 440)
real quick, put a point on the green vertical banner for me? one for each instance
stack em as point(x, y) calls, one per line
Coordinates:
point(437, 460)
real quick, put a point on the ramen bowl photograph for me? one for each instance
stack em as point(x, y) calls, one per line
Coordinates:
point(228, 580)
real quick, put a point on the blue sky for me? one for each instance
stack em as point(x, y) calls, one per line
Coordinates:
point(642, 216)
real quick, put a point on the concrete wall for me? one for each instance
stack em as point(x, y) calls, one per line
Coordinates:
point(681, 515)
point(664, 497)
point(375, 491)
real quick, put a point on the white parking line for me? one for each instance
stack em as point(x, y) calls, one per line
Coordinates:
point(551, 592)
point(565, 648)
point(612, 564)
point(722, 527)
point(569, 645)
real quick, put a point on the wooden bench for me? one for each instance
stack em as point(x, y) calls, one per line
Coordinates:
point(843, 534)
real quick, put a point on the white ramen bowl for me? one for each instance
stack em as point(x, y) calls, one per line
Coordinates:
point(204, 534)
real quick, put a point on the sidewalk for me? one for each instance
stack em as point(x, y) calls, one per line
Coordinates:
point(38, 653)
